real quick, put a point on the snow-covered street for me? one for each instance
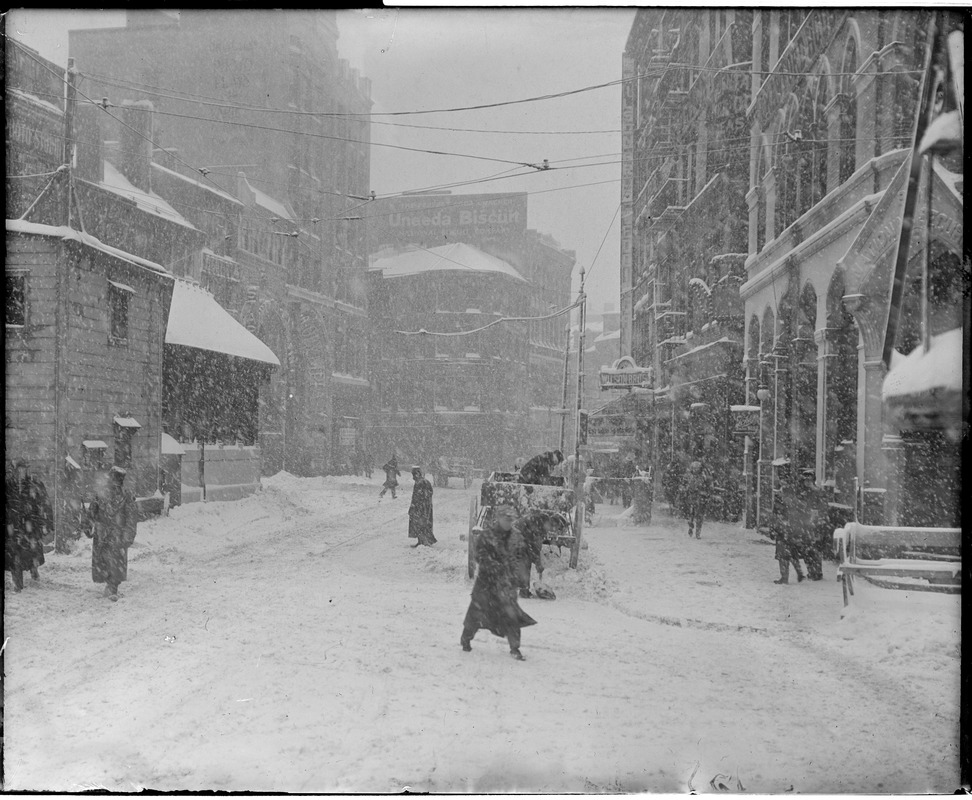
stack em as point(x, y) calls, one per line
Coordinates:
point(293, 641)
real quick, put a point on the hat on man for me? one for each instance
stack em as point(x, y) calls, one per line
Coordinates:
point(505, 511)
point(119, 470)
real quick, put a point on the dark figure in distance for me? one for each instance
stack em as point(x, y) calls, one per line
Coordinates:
point(420, 511)
point(786, 525)
point(494, 605)
point(537, 470)
point(526, 542)
point(28, 518)
point(115, 518)
point(811, 523)
point(391, 477)
point(696, 487)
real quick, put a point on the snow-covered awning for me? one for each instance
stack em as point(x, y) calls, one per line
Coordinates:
point(923, 372)
point(126, 422)
point(197, 320)
point(170, 447)
point(457, 256)
point(94, 444)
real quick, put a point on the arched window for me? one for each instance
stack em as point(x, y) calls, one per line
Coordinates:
point(816, 138)
point(848, 117)
point(788, 168)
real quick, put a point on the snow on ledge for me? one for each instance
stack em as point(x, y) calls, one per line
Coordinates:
point(64, 232)
point(940, 368)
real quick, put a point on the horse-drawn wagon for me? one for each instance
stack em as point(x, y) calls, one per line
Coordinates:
point(554, 500)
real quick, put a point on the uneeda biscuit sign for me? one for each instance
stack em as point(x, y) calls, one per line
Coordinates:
point(431, 220)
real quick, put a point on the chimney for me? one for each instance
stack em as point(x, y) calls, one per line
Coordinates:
point(89, 150)
point(136, 142)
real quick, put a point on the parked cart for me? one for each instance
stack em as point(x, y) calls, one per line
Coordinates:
point(504, 488)
point(453, 467)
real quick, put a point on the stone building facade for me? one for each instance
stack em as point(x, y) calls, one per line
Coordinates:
point(833, 108)
point(683, 229)
point(518, 365)
point(285, 140)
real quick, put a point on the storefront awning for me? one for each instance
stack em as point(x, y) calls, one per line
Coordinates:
point(197, 320)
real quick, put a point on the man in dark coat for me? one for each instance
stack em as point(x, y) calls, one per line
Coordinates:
point(420, 511)
point(28, 520)
point(537, 469)
point(115, 519)
point(526, 543)
point(493, 605)
point(391, 477)
point(812, 523)
point(786, 524)
point(696, 487)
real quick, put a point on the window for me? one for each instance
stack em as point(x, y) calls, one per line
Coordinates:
point(118, 296)
point(16, 300)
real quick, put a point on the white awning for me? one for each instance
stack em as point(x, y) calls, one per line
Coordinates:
point(94, 444)
point(197, 320)
point(126, 422)
point(170, 447)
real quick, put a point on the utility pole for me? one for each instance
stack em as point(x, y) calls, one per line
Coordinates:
point(70, 104)
point(579, 471)
point(563, 403)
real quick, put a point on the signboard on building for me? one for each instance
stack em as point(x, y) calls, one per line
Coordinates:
point(431, 220)
point(625, 374)
point(745, 420)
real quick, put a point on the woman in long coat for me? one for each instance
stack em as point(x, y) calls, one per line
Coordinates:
point(115, 519)
point(420, 511)
point(494, 605)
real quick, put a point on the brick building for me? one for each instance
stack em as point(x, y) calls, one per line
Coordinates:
point(683, 233)
point(761, 216)
point(481, 262)
point(302, 259)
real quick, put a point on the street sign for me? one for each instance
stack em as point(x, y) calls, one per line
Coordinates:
point(625, 374)
point(746, 420)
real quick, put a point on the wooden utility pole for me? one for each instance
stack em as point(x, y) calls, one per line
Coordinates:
point(563, 403)
point(579, 471)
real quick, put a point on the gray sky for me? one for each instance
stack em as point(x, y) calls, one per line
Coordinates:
point(424, 59)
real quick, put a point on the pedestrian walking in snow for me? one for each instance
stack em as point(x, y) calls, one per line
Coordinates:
point(538, 469)
point(420, 511)
point(696, 487)
point(115, 520)
point(672, 483)
point(786, 524)
point(494, 605)
point(28, 520)
point(809, 523)
point(526, 543)
point(391, 477)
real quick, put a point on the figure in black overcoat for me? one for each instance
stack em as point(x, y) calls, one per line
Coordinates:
point(494, 605)
point(537, 470)
point(28, 520)
point(695, 490)
point(420, 511)
point(391, 477)
point(526, 543)
point(115, 519)
point(786, 521)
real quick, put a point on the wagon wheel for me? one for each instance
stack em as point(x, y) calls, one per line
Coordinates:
point(470, 543)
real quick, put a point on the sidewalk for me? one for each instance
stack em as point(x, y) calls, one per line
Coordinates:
point(724, 579)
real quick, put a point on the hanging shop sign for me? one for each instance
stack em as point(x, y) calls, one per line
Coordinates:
point(745, 420)
point(625, 374)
